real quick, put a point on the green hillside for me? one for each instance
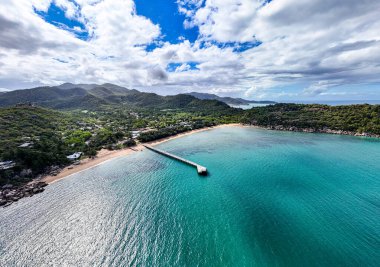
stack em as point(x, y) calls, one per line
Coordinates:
point(354, 118)
point(87, 119)
point(227, 100)
point(70, 96)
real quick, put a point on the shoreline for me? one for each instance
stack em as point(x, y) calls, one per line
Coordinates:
point(105, 155)
point(318, 131)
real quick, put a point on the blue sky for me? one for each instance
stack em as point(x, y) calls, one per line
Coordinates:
point(256, 49)
point(55, 15)
point(166, 14)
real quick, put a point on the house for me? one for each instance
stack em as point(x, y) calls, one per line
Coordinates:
point(135, 134)
point(185, 124)
point(5, 165)
point(25, 145)
point(75, 156)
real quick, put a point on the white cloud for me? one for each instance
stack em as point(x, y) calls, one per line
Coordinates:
point(319, 43)
point(318, 88)
point(71, 10)
point(304, 40)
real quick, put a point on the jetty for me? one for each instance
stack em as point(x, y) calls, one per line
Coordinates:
point(200, 169)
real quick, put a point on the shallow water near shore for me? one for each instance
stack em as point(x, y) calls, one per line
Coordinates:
point(271, 199)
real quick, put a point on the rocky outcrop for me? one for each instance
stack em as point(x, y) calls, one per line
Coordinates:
point(10, 193)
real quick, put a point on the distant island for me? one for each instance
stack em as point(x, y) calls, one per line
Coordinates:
point(44, 129)
point(228, 100)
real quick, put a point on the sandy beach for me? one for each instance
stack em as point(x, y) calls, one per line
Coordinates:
point(105, 155)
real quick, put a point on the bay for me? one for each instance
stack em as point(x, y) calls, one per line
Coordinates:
point(271, 199)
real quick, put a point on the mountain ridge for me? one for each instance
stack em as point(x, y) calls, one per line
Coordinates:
point(91, 96)
point(228, 100)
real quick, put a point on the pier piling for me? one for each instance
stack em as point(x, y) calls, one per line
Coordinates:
point(200, 169)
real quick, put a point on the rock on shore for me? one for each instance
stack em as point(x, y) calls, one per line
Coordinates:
point(323, 130)
point(10, 193)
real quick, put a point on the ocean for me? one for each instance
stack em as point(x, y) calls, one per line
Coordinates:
point(339, 102)
point(271, 199)
point(322, 102)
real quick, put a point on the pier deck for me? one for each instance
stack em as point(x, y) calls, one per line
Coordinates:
point(200, 169)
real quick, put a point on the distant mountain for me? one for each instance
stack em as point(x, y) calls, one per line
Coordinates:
point(72, 85)
point(92, 96)
point(2, 90)
point(227, 100)
point(41, 95)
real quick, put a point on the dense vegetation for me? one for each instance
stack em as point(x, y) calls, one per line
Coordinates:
point(172, 130)
point(70, 96)
point(50, 136)
point(36, 126)
point(227, 100)
point(91, 117)
point(353, 118)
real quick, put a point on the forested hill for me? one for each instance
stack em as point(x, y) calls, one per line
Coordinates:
point(356, 119)
point(108, 97)
point(227, 100)
point(90, 96)
point(38, 139)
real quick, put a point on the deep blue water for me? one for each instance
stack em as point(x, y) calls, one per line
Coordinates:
point(271, 199)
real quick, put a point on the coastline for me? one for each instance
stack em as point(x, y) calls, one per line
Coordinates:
point(105, 155)
point(321, 131)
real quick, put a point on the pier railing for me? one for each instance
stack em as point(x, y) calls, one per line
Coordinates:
point(200, 169)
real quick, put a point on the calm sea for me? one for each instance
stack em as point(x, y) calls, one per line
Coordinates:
point(339, 102)
point(330, 103)
point(271, 199)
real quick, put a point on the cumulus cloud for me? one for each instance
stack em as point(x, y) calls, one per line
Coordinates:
point(304, 40)
point(318, 44)
point(71, 10)
point(156, 73)
point(318, 88)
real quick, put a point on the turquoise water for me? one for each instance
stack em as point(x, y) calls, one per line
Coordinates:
point(271, 199)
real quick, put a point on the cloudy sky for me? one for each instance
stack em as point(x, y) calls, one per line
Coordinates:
point(257, 49)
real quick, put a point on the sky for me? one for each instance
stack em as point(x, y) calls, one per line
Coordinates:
point(256, 49)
